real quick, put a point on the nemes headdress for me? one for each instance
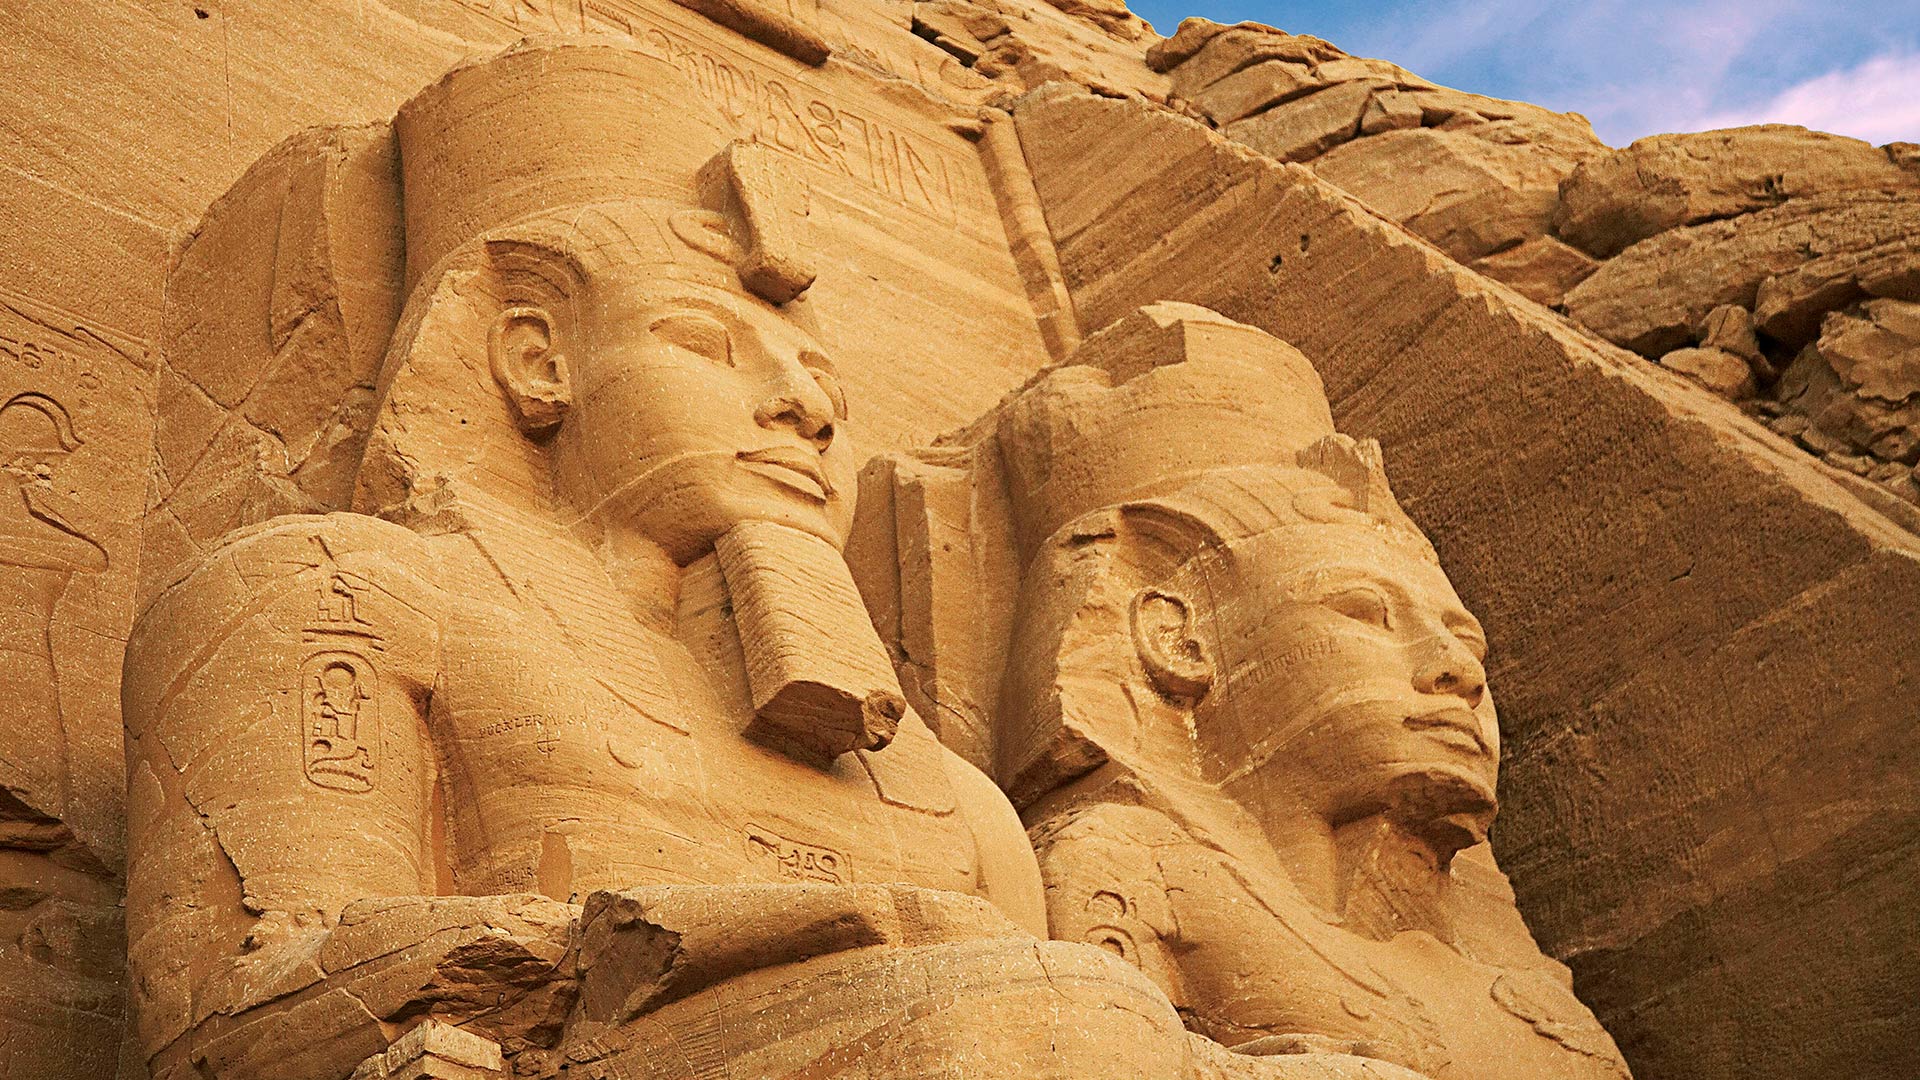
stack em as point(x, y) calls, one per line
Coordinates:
point(1168, 409)
point(612, 152)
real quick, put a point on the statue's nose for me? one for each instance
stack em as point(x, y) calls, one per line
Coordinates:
point(796, 401)
point(1451, 669)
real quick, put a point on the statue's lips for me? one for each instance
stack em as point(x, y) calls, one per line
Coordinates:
point(797, 469)
point(1459, 728)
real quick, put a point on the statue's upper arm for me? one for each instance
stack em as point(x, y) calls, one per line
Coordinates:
point(1104, 886)
point(1009, 874)
point(273, 701)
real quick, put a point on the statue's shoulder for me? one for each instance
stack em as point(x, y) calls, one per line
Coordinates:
point(251, 558)
point(298, 585)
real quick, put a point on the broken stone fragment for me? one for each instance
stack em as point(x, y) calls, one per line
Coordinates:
point(1467, 194)
point(1252, 90)
point(1204, 52)
point(1304, 129)
point(1730, 327)
point(435, 1051)
point(1541, 269)
point(643, 948)
point(1109, 15)
point(1875, 348)
point(1716, 369)
point(1391, 110)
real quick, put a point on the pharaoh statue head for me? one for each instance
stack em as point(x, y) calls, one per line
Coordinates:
point(1220, 591)
point(588, 254)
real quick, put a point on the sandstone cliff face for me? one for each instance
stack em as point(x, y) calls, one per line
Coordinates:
point(1707, 670)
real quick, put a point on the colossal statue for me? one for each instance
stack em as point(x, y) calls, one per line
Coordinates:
point(570, 748)
point(1244, 713)
point(563, 744)
point(519, 673)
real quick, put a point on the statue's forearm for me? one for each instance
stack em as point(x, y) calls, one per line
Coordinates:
point(299, 1006)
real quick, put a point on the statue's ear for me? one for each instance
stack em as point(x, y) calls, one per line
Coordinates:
point(525, 350)
point(1167, 639)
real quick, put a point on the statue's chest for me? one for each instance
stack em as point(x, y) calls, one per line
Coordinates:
point(563, 773)
point(1493, 1022)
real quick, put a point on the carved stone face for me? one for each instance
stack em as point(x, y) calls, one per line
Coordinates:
point(695, 408)
point(1348, 682)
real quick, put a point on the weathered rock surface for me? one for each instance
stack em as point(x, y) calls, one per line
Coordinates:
point(1613, 201)
point(1702, 637)
point(1477, 192)
point(1475, 175)
point(1542, 269)
point(1789, 265)
point(1750, 241)
point(1726, 374)
point(1853, 396)
point(1009, 46)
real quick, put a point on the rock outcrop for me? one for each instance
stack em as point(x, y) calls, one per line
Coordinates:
point(1774, 229)
point(1616, 200)
point(1853, 396)
point(1640, 245)
point(1477, 176)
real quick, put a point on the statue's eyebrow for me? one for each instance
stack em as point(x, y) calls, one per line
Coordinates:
point(1463, 623)
point(1323, 581)
point(672, 303)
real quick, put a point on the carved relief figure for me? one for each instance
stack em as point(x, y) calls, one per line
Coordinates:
point(40, 552)
point(608, 483)
point(1247, 719)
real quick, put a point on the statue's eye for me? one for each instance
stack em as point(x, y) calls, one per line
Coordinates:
point(695, 333)
point(1470, 635)
point(1360, 603)
point(822, 371)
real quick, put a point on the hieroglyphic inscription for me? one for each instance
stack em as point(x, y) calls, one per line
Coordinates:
point(36, 435)
point(343, 727)
point(544, 729)
point(695, 1048)
point(796, 860)
point(789, 117)
point(42, 347)
point(857, 36)
point(339, 684)
point(772, 109)
point(28, 354)
point(1262, 668)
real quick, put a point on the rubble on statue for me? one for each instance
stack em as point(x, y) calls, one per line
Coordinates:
point(950, 539)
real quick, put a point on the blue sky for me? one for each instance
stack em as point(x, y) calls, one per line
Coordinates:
point(1634, 68)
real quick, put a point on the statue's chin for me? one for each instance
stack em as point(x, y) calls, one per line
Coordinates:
point(1449, 807)
point(690, 533)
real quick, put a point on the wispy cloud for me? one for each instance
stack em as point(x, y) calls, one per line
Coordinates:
point(1877, 100)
